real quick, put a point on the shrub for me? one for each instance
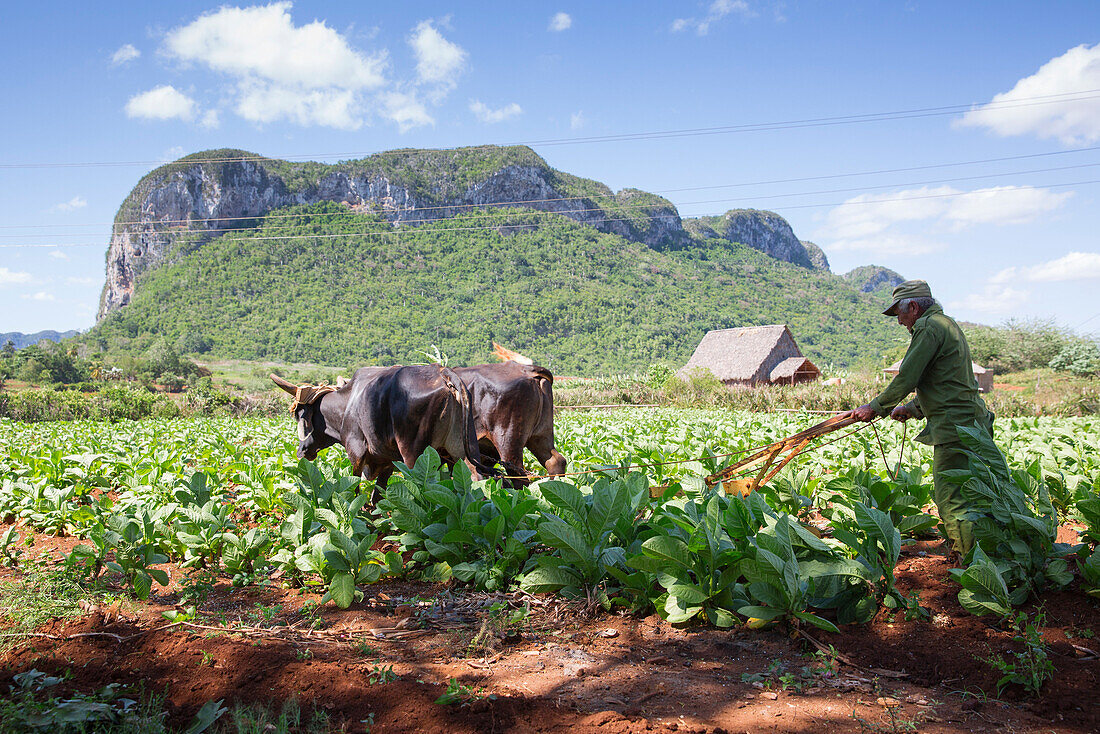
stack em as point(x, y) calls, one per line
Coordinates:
point(45, 405)
point(1081, 357)
point(120, 402)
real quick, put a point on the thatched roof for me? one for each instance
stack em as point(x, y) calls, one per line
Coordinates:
point(746, 354)
point(787, 369)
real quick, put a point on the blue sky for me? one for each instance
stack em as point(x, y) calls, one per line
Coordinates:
point(95, 98)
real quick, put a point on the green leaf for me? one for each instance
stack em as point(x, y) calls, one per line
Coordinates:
point(341, 590)
point(688, 593)
point(210, 712)
point(817, 621)
point(672, 551)
point(766, 613)
point(549, 578)
point(566, 540)
point(564, 496)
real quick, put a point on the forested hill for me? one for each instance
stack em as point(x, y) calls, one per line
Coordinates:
point(325, 284)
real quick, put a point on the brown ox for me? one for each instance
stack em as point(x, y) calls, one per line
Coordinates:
point(513, 408)
point(387, 414)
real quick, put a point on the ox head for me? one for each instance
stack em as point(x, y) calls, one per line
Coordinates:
point(312, 429)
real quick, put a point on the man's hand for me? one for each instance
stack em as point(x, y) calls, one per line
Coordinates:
point(864, 413)
point(901, 413)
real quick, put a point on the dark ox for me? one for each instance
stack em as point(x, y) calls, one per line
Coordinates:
point(513, 407)
point(387, 414)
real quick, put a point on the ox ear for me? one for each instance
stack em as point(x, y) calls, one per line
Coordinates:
point(292, 389)
point(341, 381)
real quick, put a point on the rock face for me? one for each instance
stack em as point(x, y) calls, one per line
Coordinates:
point(870, 278)
point(761, 230)
point(184, 204)
point(816, 255)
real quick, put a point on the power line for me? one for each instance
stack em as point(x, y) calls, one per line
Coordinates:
point(640, 217)
point(587, 210)
point(500, 204)
point(1061, 98)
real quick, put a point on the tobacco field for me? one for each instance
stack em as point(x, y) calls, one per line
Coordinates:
point(165, 510)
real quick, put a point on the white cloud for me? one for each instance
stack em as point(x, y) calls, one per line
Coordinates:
point(1074, 266)
point(560, 22)
point(161, 103)
point(406, 110)
point(58, 255)
point(173, 153)
point(11, 277)
point(1071, 120)
point(40, 296)
point(263, 103)
point(887, 244)
point(438, 61)
point(125, 53)
point(263, 42)
point(307, 74)
point(718, 9)
point(576, 120)
point(1003, 205)
point(486, 114)
point(993, 299)
point(77, 202)
point(871, 216)
point(81, 281)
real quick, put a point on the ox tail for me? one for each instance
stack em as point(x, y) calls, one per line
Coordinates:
point(466, 416)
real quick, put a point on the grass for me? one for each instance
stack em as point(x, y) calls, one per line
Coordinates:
point(41, 595)
point(261, 719)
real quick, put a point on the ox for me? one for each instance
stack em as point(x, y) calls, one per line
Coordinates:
point(513, 408)
point(387, 414)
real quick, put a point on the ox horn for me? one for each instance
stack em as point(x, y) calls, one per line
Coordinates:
point(292, 389)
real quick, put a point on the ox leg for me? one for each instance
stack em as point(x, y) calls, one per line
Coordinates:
point(379, 474)
point(511, 457)
point(382, 478)
point(543, 449)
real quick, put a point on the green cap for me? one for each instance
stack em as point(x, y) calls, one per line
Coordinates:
point(908, 289)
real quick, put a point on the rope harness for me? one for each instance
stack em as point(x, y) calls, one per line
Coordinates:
point(309, 394)
point(734, 477)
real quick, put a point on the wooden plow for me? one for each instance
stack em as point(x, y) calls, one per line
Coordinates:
point(792, 446)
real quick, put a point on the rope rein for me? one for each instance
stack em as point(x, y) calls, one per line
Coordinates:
point(809, 449)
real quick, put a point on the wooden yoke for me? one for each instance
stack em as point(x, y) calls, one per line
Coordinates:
point(792, 445)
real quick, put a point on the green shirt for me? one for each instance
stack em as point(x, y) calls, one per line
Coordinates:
point(937, 365)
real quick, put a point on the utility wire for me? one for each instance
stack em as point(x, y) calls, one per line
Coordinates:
point(639, 217)
point(501, 204)
point(1061, 98)
point(612, 195)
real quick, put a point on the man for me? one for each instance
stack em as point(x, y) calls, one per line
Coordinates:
point(937, 365)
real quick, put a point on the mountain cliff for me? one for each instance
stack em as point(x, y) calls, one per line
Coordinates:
point(207, 194)
point(761, 230)
point(873, 278)
point(372, 260)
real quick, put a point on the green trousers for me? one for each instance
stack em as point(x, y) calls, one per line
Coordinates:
point(948, 496)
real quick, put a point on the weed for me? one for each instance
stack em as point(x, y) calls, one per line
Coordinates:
point(367, 651)
point(462, 694)
point(41, 595)
point(28, 707)
point(259, 719)
point(206, 659)
point(196, 587)
point(381, 674)
point(305, 654)
point(1030, 667)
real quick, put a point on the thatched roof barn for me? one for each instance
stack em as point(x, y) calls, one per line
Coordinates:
point(981, 374)
point(753, 355)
